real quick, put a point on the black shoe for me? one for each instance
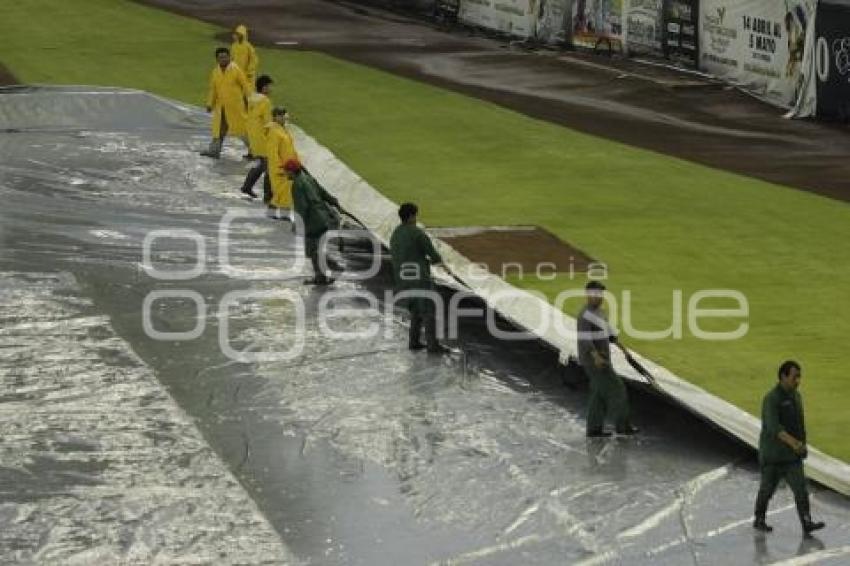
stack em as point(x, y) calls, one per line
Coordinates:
point(438, 349)
point(628, 431)
point(760, 525)
point(208, 153)
point(416, 346)
point(599, 434)
point(249, 192)
point(810, 526)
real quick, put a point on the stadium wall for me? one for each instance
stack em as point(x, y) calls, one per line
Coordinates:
point(830, 60)
point(793, 54)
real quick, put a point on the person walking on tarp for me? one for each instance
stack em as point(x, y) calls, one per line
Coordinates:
point(279, 149)
point(782, 448)
point(607, 391)
point(316, 208)
point(227, 97)
point(244, 54)
point(259, 119)
point(412, 255)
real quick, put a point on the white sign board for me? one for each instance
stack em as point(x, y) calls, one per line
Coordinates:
point(514, 17)
point(757, 44)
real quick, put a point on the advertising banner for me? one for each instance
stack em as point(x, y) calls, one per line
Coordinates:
point(757, 44)
point(681, 32)
point(597, 22)
point(553, 20)
point(644, 26)
point(514, 17)
point(446, 10)
point(832, 59)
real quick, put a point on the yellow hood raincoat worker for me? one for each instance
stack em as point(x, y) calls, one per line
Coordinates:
point(229, 90)
point(259, 117)
point(244, 54)
point(279, 149)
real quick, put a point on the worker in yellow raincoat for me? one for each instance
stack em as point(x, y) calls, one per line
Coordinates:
point(259, 117)
point(244, 54)
point(229, 91)
point(279, 149)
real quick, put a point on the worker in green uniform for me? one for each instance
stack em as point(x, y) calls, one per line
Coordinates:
point(607, 390)
point(412, 255)
point(782, 448)
point(316, 208)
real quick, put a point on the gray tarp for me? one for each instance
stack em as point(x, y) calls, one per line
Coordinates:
point(357, 451)
point(98, 464)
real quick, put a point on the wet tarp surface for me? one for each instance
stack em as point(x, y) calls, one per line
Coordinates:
point(120, 446)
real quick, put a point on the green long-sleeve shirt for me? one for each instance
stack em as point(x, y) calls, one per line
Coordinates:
point(780, 411)
point(594, 333)
point(412, 255)
point(313, 203)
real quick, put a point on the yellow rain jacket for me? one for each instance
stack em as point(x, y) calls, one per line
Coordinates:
point(245, 56)
point(281, 149)
point(259, 115)
point(228, 91)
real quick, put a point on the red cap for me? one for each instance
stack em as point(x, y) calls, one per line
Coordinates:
point(292, 165)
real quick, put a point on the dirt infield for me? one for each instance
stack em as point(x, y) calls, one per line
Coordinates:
point(644, 106)
point(6, 77)
point(506, 250)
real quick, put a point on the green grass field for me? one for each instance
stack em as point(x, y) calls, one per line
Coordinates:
point(659, 223)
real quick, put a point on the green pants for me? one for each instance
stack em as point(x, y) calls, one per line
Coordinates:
point(311, 250)
point(607, 398)
point(422, 313)
point(792, 473)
